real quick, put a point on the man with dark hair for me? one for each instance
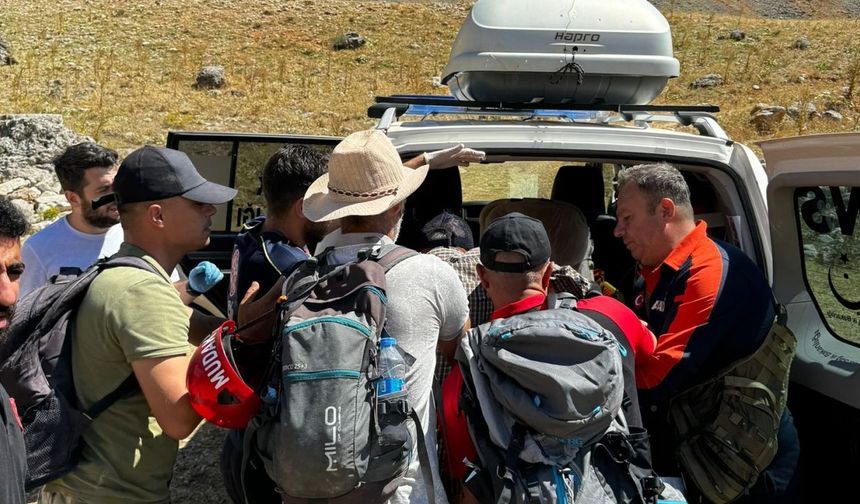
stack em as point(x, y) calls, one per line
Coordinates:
point(13, 461)
point(273, 245)
point(132, 322)
point(86, 171)
point(707, 302)
point(268, 247)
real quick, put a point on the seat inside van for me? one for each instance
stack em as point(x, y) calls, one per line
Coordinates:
point(564, 222)
point(441, 191)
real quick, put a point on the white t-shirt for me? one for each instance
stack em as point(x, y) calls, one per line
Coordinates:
point(60, 245)
point(426, 303)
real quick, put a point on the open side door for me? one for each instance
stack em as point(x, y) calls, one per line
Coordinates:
point(813, 206)
point(235, 160)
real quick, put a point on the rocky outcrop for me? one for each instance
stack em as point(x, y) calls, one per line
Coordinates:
point(28, 145)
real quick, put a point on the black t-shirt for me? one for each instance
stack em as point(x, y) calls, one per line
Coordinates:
point(250, 262)
point(13, 456)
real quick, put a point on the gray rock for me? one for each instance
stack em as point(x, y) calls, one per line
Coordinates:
point(832, 115)
point(210, 77)
point(26, 208)
point(6, 57)
point(26, 193)
point(756, 87)
point(12, 185)
point(436, 81)
point(811, 111)
point(53, 201)
point(801, 43)
point(350, 40)
point(28, 145)
point(737, 35)
point(765, 118)
point(49, 184)
point(707, 81)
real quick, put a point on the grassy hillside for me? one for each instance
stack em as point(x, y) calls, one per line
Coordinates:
point(122, 72)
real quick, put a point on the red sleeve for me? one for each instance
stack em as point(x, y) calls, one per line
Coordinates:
point(638, 336)
point(694, 307)
point(15, 413)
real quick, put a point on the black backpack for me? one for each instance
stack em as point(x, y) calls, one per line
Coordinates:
point(36, 371)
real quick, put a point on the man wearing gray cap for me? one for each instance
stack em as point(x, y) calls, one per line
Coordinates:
point(132, 321)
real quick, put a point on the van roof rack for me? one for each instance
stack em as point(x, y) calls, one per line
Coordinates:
point(388, 108)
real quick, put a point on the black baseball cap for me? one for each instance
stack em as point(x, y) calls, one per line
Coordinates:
point(518, 233)
point(446, 230)
point(154, 173)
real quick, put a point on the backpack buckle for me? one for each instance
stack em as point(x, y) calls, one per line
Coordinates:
point(652, 486)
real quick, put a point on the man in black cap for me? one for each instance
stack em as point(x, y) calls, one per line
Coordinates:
point(515, 270)
point(132, 321)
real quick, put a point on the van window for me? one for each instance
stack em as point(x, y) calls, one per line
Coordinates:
point(519, 179)
point(831, 255)
point(237, 163)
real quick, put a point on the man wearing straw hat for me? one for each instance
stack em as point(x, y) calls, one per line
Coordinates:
point(365, 188)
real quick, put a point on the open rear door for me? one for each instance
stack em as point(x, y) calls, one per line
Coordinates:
point(813, 205)
point(235, 160)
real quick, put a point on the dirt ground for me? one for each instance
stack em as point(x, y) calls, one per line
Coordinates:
point(197, 474)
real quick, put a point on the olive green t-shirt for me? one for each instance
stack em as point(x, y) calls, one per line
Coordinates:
point(128, 314)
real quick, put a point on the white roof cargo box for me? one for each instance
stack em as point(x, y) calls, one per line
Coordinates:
point(562, 51)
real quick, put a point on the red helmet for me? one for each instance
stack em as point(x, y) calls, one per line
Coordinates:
point(218, 393)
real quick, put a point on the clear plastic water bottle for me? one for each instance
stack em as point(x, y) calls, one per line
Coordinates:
point(392, 369)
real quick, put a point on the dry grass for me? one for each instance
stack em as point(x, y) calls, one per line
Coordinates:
point(125, 69)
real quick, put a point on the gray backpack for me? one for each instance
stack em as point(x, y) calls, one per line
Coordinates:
point(323, 432)
point(542, 396)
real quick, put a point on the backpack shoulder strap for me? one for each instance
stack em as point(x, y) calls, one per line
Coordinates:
point(389, 256)
point(128, 262)
point(564, 300)
point(125, 389)
point(130, 385)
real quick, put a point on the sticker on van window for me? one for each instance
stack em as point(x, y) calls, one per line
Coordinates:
point(831, 254)
point(245, 213)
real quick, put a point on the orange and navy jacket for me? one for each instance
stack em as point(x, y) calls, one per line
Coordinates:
point(709, 305)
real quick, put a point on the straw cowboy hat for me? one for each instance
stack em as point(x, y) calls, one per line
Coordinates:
point(365, 177)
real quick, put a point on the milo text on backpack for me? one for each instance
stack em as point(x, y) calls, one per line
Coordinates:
point(324, 433)
point(542, 396)
point(726, 428)
point(37, 373)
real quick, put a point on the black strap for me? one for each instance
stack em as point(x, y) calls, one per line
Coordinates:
point(424, 459)
point(248, 440)
point(512, 455)
point(127, 388)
